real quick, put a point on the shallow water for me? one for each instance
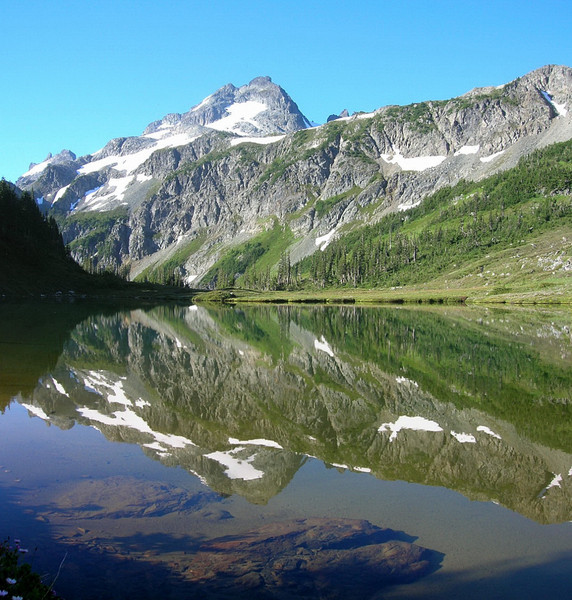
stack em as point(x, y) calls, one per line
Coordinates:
point(130, 438)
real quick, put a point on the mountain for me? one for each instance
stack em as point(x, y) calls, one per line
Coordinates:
point(260, 110)
point(243, 170)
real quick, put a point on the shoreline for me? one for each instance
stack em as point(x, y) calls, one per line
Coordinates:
point(379, 296)
point(331, 296)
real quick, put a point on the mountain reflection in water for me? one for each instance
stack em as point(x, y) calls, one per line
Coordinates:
point(477, 401)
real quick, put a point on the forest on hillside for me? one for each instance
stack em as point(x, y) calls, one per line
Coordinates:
point(25, 234)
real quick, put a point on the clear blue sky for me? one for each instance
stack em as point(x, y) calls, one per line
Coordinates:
point(76, 73)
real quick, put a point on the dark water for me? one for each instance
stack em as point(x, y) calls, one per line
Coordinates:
point(134, 443)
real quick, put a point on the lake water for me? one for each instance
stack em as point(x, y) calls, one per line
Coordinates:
point(180, 452)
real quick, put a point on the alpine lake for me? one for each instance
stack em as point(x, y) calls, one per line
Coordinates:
point(288, 451)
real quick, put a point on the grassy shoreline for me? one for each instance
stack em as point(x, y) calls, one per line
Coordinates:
point(412, 295)
point(436, 292)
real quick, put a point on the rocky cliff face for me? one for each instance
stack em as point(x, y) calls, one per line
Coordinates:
point(244, 159)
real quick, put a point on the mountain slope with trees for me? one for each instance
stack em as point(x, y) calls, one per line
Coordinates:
point(457, 225)
point(34, 260)
point(509, 233)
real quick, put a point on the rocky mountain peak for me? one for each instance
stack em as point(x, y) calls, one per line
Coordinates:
point(552, 82)
point(59, 166)
point(261, 81)
point(345, 113)
point(62, 157)
point(259, 108)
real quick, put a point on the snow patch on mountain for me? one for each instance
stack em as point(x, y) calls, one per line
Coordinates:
point(36, 411)
point(36, 169)
point(414, 423)
point(238, 114)
point(59, 387)
point(467, 150)
point(60, 193)
point(357, 116)
point(116, 188)
point(417, 163)
point(256, 442)
point(560, 109)
point(131, 420)
point(202, 104)
point(114, 392)
point(488, 431)
point(161, 133)
point(464, 438)
point(556, 481)
point(236, 468)
point(130, 162)
point(487, 159)
point(323, 345)
point(324, 240)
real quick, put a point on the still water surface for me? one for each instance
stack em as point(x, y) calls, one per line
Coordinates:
point(134, 443)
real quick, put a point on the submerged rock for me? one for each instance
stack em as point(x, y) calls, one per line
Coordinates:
point(317, 557)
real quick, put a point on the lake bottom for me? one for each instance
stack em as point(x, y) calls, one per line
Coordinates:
point(93, 528)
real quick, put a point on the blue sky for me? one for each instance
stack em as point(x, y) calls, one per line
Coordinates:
point(77, 73)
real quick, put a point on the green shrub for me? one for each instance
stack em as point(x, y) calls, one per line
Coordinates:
point(17, 580)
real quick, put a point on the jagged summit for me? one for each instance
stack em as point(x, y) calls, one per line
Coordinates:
point(259, 108)
point(345, 113)
point(62, 157)
point(260, 111)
